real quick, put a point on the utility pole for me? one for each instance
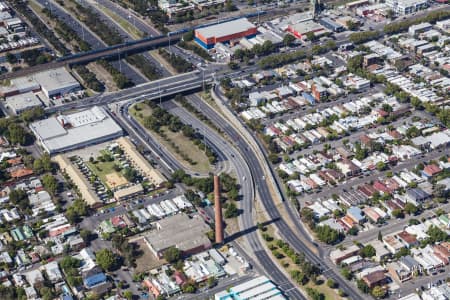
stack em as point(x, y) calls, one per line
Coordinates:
point(170, 50)
point(160, 96)
point(120, 63)
point(203, 79)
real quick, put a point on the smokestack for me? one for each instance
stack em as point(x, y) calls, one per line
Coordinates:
point(218, 211)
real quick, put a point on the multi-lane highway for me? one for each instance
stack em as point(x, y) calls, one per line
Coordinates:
point(243, 175)
point(88, 36)
point(264, 193)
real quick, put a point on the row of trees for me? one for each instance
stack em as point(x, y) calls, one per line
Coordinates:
point(15, 132)
point(364, 36)
point(432, 17)
point(258, 50)
point(280, 59)
point(39, 26)
point(89, 79)
point(121, 81)
point(177, 62)
point(67, 33)
point(147, 68)
point(162, 118)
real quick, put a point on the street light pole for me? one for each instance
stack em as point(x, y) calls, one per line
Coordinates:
point(160, 96)
point(120, 63)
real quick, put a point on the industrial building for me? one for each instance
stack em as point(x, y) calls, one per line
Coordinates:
point(68, 132)
point(56, 82)
point(22, 102)
point(300, 30)
point(180, 231)
point(331, 25)
point(53, 83)
point(208, 36)
point(405, 7)
point(258, 288)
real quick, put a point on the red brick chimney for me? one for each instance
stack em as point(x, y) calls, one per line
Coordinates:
point(218, 211)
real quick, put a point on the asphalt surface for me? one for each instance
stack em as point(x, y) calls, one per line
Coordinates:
point(130, 15)
point(247, 226)
point(89, 37)
point(272, 210)
point(126, 36)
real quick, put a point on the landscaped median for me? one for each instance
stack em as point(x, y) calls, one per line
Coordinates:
point(181, 140)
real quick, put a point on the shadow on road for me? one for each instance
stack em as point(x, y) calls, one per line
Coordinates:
point(237, 235)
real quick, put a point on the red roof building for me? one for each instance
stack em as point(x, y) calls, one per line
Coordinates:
point(431, 170)
point(380, 187)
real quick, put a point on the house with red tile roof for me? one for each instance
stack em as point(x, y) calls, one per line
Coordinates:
point(430, 171)
point(380, 187)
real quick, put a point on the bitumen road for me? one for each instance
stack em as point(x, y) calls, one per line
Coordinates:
point(247, 226)
point(130, 15)
point(126, 36)
point(272, 210)
point(89, 37)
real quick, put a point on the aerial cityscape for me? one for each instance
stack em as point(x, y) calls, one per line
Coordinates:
point(224, 149)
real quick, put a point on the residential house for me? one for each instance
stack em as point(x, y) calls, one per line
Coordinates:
point(375, 278)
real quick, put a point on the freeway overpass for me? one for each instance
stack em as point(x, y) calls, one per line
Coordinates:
point(103, 53)
point(158, 89)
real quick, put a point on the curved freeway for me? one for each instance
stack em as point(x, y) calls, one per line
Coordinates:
point(246, 223)
point(263, 190)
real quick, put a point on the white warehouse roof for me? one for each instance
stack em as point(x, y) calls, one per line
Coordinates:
point(227, 28)
point(68, 132)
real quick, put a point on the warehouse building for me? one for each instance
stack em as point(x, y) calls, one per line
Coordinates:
point(258, 288)
point(405, 7)
point(180, 231)
point(331, 25)
point(68, 132)
point(300, 30)
point(56, 82)
point(53, 83)
point(22, 102)
point(208, 36)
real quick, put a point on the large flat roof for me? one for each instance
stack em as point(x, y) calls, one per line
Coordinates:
point(54, 79)
point(22, 101)
point(79, 130)
point(226, 28)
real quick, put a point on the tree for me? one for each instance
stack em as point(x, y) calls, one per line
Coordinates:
point(172, 254)
point(11, 58)
point(346, 273)
point(367, 251)
point(398, 213)
point(211, 281)
point(128, 294)
point(411, 209)
point(47, 293)
point(353, 231)
point(362, 286)
point(50, 183)
point(331, 283)
point(378, 292)
point(231, 211)
point(106, 259)
point(86, 235)
point(288, 39)
point(381, 166)
point(328, 235)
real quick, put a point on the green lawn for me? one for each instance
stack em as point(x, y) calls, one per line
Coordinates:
point(101, 169)
point(185, 145)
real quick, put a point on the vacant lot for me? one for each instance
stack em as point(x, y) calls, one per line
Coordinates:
point(147, 261)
